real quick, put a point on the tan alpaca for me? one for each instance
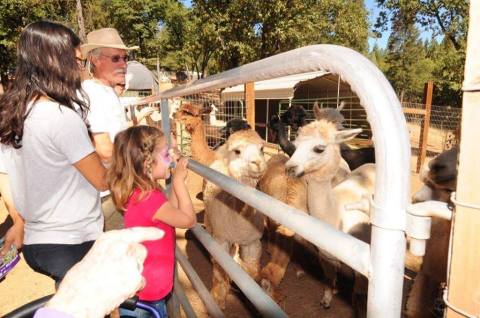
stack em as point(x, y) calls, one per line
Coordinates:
point(317, 159)
point(292, 191)
point(231, 222)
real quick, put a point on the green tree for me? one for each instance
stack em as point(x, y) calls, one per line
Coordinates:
point(138, 21)
point(211, 36)
point(280, 26)
point(15, 15)
point(233, 25)
point(187, 40)
point(408, 68)
point(448, 21)
point(341, 22)
point(447, 73)
point(238, 32)
point(448, 18)
point(378, 56)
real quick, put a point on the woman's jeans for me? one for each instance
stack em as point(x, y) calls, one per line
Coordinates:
point(55, 260)
point(159, 306)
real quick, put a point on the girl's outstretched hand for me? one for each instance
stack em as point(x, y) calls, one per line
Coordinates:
point(180, 171)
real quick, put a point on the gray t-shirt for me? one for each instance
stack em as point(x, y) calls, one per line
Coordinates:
point(58, 204)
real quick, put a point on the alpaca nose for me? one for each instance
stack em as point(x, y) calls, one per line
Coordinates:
point(256, 162)
point(259, 164)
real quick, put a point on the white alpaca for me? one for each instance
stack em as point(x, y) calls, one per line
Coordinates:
point(317, 159)
point(213, 117)
point(292, 191)
point(229, 220)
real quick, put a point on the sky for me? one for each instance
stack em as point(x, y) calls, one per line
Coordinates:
point(382, 42)
point(373, 11)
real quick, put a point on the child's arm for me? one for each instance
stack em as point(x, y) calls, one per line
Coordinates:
point(14, 235)
point(176, 155)
point(183, 215)
point(173, 197)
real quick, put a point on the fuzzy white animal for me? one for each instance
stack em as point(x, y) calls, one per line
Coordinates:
point(230, 221)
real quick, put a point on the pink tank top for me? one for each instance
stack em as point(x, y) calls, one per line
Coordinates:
point(159, 264)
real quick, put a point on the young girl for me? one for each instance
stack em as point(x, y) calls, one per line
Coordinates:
point(140, 158)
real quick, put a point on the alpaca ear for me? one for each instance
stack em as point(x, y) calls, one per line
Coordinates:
point(342, 104)
point(317, 111)
point(344, 135)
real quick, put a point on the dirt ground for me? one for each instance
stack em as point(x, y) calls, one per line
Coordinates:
point(300, 295)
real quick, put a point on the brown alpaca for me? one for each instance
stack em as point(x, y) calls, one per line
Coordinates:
point(440, 180)
point(191, 116)
point(292, 191)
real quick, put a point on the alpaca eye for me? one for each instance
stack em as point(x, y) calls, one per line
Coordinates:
point(261, 149)
point(318, 149)
point(237, 152)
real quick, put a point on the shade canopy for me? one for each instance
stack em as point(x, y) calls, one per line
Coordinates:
point(277, 88)
point(139, 77)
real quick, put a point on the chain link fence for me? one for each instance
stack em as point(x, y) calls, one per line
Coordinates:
point(443, 130)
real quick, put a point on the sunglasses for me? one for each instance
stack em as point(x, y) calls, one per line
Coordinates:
point(117, 58)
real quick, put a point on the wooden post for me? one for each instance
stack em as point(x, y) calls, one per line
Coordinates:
point(422, 150)
point(158, 75)
point(464, 273)
point(250, 103)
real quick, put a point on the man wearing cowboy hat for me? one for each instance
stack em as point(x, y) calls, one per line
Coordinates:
point(107, 57)
point(107, 65)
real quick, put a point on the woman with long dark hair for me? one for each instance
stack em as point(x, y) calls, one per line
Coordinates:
point(54, 171)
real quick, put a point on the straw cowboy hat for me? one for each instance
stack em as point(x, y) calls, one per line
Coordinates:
point(107, 37)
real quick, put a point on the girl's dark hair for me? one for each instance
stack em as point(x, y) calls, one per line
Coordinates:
point(46, 66)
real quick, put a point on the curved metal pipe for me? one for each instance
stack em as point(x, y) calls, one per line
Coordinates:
point(392, 151)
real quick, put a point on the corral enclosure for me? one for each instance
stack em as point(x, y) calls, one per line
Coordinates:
point(444, 120)
point(327, 91)
point(355, 115)
point(195, 94)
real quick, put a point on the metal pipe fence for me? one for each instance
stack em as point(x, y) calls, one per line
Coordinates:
point(383, 262)
point(351, 251)
point(264, 304)
point(213, 310)
point(443, 129)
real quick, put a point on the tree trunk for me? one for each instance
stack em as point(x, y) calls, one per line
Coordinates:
point(4, 81)
point(80, 21)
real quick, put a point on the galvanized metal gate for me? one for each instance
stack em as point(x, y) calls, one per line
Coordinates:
point(382, 262)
